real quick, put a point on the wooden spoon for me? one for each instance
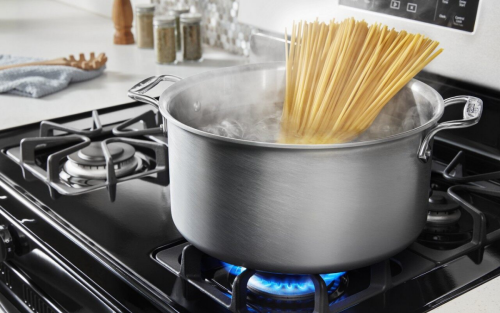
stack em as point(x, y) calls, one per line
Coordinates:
point(93, 63)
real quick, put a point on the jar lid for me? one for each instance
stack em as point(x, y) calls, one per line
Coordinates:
point(178, 10)
point(164, 20)
point(190, 17)
point(145, 7)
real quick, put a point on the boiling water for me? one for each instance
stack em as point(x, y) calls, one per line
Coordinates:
point(262, 129)
point(399, 115)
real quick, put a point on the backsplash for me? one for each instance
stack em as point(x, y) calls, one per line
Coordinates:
point(220, 24)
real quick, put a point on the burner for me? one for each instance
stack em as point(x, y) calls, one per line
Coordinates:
point(282, 286)
point(93, 153)
point(447, 227)
point(90, 163)
point(441, 201)
point(446, 217)
point(445, 237)
point(442, 209)
point(289, 287)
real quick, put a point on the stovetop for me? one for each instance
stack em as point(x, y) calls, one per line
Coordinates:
point(130, 252)
point(143, 208)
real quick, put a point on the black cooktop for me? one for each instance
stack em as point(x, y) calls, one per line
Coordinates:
point(130, 252)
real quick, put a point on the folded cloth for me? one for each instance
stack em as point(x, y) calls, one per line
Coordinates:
point(40, 80)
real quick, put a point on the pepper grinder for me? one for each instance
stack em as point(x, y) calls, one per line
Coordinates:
point(122, 18)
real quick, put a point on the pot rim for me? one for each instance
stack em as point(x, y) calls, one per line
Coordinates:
point(176, 88)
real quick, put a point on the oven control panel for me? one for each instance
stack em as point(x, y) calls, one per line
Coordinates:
point(457, 14)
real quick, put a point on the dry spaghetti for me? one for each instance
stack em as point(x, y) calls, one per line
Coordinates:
point(340, 75)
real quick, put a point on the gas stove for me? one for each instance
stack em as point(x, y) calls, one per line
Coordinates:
point(86, 226)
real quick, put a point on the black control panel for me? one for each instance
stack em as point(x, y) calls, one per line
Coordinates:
point(457, 14)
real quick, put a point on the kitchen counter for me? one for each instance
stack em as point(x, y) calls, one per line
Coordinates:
point(49, 29)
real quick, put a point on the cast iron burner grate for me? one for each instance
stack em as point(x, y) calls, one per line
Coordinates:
point(201, 274)
point(480, 236)
point(74, 163)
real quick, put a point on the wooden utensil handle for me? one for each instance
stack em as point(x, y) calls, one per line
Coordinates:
point(93, 63)
point(49, 62)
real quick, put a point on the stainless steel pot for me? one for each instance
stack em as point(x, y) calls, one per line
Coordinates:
point(293, 208)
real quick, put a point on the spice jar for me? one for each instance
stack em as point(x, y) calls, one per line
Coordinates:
point(177, 11)
point(191, 36)
point(164, 35)
point(144, 25)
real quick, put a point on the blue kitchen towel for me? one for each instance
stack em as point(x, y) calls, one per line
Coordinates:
point(38, 81)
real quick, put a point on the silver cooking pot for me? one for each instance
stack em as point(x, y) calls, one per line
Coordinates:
point(293, 208)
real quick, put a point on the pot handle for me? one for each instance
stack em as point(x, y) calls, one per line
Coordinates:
point(138, 91)
point(472, 113)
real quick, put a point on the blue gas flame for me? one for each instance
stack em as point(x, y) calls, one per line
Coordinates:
point(283, 285)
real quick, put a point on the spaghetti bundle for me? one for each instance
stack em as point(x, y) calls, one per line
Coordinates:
point(340, 75)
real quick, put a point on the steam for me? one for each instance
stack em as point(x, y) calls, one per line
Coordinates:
point(261, 123)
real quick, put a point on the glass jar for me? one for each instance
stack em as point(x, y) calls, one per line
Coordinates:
point(177, 11)
point(164, 35)
point(191, 36)
point(144, 25)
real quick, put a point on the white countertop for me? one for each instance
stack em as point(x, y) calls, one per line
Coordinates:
point(483, 299)
point(50, 29)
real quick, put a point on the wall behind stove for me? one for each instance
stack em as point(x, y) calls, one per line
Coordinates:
point(221, 26)
point(220, 19)
point(467, 57)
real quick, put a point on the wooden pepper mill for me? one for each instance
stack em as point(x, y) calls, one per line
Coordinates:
point(122, 18)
